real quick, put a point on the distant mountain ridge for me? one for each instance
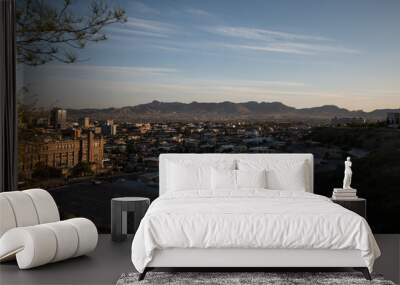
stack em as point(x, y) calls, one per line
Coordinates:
point(158, 111)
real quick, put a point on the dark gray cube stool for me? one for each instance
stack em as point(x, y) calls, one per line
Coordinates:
point(119, 212)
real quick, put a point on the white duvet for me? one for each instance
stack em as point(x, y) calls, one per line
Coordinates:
point(250, 219)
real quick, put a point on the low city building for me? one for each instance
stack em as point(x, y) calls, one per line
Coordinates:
point(393, 119)
point(61, 154)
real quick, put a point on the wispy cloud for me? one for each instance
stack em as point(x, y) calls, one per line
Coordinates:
point(126, 33)
point(234, 38)
point(254, 83)
point(292, 48)
point(313, 47)
point(265, 48)
point(265, 40)
point(198, 12)
point(107, 73)
point(167, 48)
point(127, 40)
point(261, 34)
point(131, 70)
point(143, 27)
point(143, 8)
point(150, 25)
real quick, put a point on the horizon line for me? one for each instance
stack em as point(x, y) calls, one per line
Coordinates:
point(220, 102)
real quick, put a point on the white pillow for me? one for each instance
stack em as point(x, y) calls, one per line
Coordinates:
point(251, 178)
point(230, 180)
point(223, 179)
point(286, 174)
point(193, 174)
point(181, 177)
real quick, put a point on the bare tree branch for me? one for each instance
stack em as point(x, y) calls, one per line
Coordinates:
point(47, 32)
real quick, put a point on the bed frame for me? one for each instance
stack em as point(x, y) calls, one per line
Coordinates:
point(249, 258)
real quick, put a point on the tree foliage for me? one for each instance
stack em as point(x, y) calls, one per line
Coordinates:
point(26, 103)
point(82, 169)
point(43, 171)
point(49, 32)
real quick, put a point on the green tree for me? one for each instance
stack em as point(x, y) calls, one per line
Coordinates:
point(46, 31)
point(82, 169)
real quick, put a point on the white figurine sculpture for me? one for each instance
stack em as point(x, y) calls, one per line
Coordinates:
point(348, 173)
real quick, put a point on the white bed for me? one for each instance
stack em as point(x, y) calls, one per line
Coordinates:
point(250, 227)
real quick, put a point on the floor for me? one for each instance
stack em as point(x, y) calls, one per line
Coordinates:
point(110, 260)
point(389, 262)
point(103, 266)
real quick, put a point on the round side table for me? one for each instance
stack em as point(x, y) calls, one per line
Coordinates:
point(119, 211)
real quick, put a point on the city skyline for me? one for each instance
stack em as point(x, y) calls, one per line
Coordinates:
point(300, 54)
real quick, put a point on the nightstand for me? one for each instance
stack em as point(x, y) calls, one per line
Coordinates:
point(119, 211)
point(358, 205)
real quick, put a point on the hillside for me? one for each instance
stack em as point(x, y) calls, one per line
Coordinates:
point(223, 111)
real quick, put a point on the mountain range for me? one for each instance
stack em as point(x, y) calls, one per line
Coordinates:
point(159, 111)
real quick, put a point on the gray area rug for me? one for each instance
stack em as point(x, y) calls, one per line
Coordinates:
point(273, 278)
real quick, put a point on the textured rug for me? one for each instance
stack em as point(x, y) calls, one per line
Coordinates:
point(244, 278)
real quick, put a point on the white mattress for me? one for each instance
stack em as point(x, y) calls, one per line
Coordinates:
point(254, 219)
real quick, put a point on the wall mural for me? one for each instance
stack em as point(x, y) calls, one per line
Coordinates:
point(106, 86)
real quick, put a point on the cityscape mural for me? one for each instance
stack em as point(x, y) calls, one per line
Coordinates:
point(104, 87)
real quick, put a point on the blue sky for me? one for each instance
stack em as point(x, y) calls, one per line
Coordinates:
point(302, 53)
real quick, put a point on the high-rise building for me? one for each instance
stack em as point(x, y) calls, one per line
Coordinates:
point(84, 122)
point(109, 128)
point(113, 130)
point(58, 118)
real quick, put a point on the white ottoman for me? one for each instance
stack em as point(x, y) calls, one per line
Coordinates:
point(34, 244)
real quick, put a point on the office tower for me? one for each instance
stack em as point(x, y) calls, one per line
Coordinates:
point(84, 122)
point(58, 118)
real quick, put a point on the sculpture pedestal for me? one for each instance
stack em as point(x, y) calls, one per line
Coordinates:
point(340, 190)
point(344, 194)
